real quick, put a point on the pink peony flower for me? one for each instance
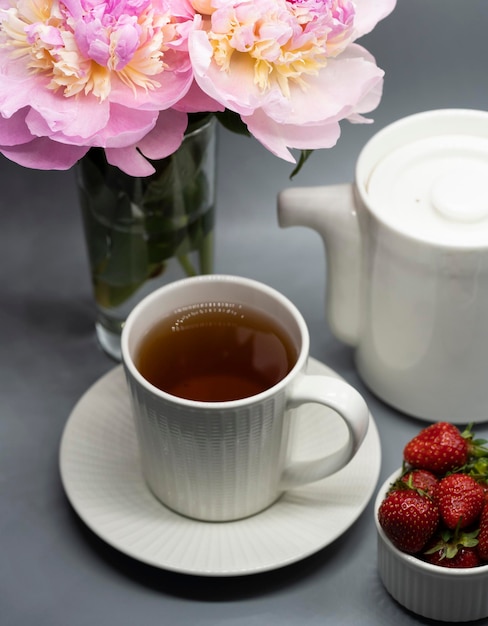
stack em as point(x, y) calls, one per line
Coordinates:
point(82, 73)
point(289, 68)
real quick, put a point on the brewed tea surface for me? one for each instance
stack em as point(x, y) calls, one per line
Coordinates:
point(215, 352)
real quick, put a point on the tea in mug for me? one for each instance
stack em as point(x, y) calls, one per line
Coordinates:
point(215, 352)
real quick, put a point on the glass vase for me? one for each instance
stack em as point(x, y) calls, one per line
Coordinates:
point(144, 232)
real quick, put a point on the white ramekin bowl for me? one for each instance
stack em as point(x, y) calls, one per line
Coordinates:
point(441, 593)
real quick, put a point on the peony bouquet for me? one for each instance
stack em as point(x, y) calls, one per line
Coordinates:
point(125, 75)
point(129, 90)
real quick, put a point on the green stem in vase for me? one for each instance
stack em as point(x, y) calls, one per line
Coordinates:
point(205, 253)
point(187, 265)
point(135, 226)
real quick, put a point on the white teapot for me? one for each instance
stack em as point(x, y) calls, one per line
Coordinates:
point(407, 262)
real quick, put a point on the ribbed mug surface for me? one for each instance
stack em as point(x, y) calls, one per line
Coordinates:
point(212, 464)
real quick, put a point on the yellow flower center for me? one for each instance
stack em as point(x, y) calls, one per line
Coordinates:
point(87, 54)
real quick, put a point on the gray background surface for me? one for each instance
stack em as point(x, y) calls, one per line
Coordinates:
point(53, 570)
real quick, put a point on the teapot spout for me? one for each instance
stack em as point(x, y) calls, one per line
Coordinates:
point(330, 210)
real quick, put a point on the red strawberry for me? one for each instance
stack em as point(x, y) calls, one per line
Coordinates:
point(460, 500)
point(464, 557)
point(438, 448)
point(419, 479)
point(441, 448)
point(408, 518)
point(453, 548)
point(483, 535)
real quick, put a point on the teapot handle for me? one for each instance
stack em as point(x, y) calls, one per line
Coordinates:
point(331, 211)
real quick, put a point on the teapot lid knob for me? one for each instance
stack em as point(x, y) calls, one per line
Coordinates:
point(462, 195)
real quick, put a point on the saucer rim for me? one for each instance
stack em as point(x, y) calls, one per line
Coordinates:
point(77, 500)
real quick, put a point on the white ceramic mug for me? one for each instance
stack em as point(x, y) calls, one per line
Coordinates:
point(407, 262)
point(219, 461)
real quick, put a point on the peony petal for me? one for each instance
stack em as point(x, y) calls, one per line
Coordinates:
point(16, 90)
point(125, 127)
point(235, 90)
point(196, 101)
point(14, 131)
point(369, 13)
point(130, 161)
point(166, 136)
point(277, 138)
point(44, 154)
point(369, 102)
point(53, 115)
point(163, 140)
point(369, 89)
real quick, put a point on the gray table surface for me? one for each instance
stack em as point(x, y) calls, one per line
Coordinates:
point(53, 570)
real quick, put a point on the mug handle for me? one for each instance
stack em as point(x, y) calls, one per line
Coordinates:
point(339, 396)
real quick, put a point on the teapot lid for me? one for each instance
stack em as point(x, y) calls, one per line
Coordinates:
point(427, 177)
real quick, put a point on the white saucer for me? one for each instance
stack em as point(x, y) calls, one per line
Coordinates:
point(102, 478)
